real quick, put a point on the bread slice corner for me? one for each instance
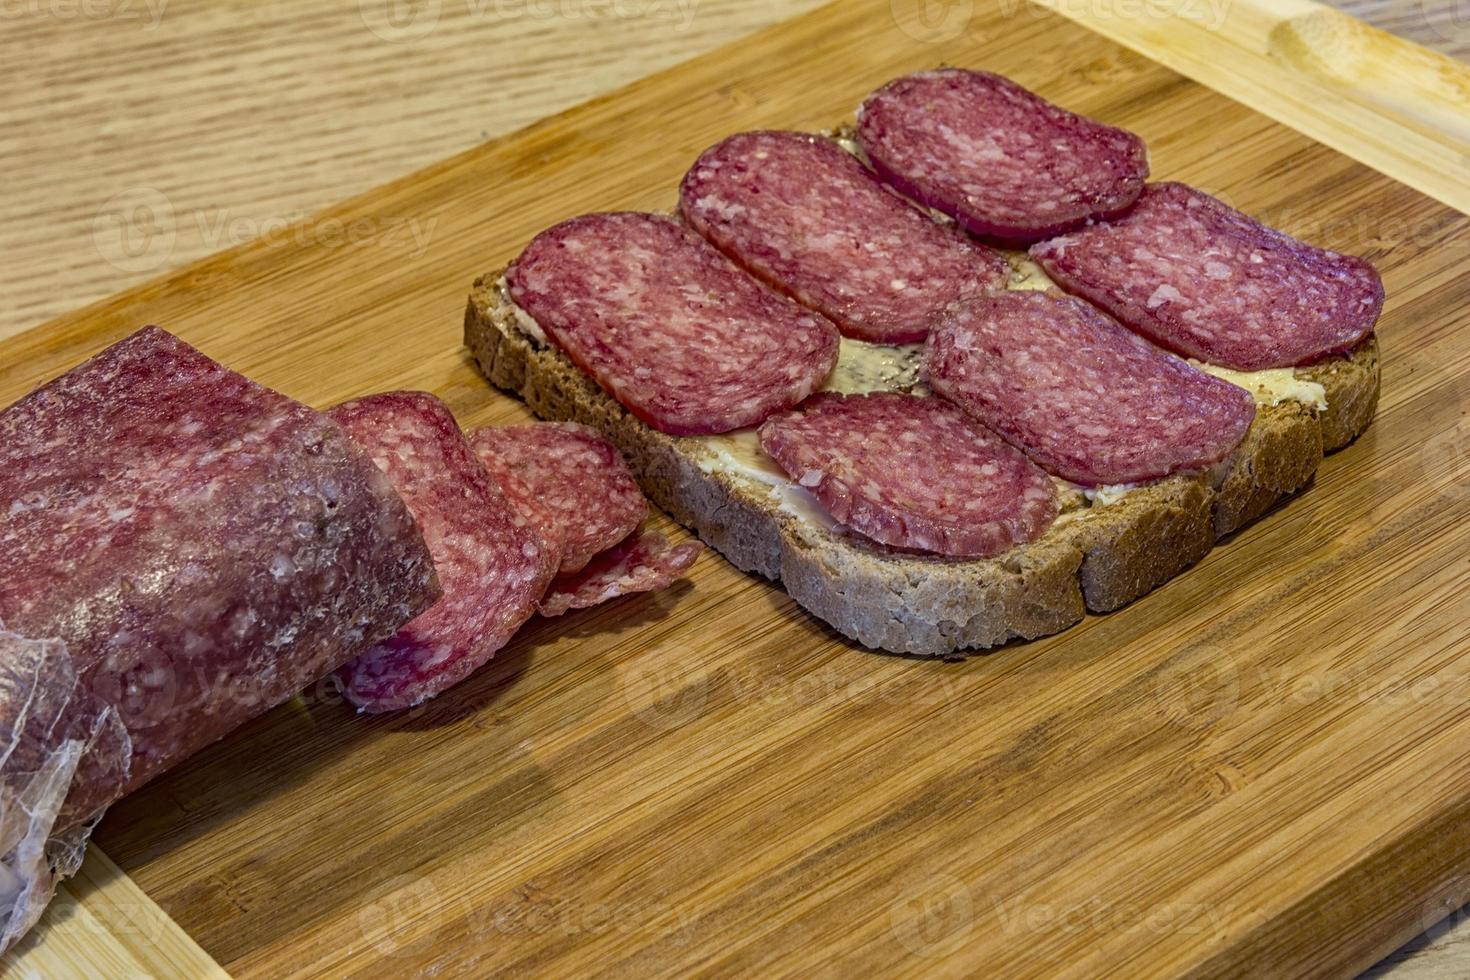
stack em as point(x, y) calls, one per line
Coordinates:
point(1097, 556)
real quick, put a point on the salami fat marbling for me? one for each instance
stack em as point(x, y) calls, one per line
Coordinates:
point(912, 472)
point(1002, 161)
point(681, 336)
point(491, 561)
point(1080, 394)
point(1198, 277)
point(805, 216)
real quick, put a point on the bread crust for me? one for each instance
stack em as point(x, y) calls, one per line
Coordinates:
point(1095, 558)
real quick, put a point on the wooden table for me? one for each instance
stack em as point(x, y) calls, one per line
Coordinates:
point(140, 136)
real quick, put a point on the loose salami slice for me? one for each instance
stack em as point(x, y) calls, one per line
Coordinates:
point(193, 548)
point(1080, 394)
point(677, 333)
point(1203, 279)
point(1002, 161)
point(912, 472)
point(641, 563)
point(805, 216)
point(491, 562)
point(572, 482)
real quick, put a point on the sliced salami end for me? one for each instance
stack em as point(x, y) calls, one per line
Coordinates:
point(805, 216)
point(641, 563)
point(912, 472)
point(677, 333)
point(491, 563)
point(1080, 394)
point(1002, 161)
point(1200, 278)
point(571, 481)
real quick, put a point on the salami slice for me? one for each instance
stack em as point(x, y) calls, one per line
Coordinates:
point(641, 563)
point(1002, 161)
point(677, 333)
point(912, 472)
point(806, 217)
point(492, 564)
point(1199, 277)
point(183, 550)
point(1080, 394)
point(572, 482)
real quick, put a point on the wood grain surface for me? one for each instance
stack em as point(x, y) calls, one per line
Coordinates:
point(1258, 768)
point(140, 135)
point(1399, 108)
point(101, 924)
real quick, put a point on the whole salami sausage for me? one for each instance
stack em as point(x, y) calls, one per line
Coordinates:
point(1200, 278)
point(1081, 395)
point(183, 549)
point(492, 563)
point(677, 333)
point(912, 472)
point(1002, 161)
point(572, 482)
point(806, 217)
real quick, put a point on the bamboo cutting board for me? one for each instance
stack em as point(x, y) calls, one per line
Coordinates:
point(1259, 767)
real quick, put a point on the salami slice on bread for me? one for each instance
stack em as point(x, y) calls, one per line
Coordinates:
point(1081, 395)
point(1003, 162)
point(668, 325)
point(805, 216)
point(1198, 277)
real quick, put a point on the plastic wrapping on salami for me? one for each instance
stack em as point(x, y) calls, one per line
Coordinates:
point(569, 480)
point(1200, 278)
point(806, 217)
point(641, 563)
point(1080, 394)
point(491, 562)
point(183, 549)
point(52, 731)
point(1002, 161)
point(912, 472)
point(676, 332)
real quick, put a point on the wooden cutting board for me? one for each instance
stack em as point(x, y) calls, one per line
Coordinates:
point(1260, 767)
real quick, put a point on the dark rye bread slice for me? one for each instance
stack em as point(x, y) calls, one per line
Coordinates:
point(1096, 557)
